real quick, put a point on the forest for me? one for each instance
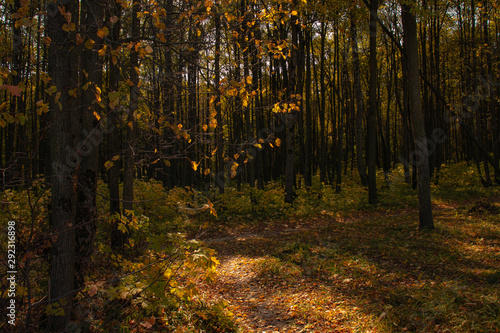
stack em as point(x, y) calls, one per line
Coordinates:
point(250, 166)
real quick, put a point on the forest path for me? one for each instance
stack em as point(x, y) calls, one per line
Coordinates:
point(261, 302)
point(266, 295)
point(330, 273)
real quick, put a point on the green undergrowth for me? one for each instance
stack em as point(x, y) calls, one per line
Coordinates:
point(153, 283)
point(454, 183)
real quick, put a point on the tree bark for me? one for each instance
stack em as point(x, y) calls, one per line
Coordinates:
point(63, 116)
point(360, 145)
point(91, 136)
point(417, 118)
point(371, 122)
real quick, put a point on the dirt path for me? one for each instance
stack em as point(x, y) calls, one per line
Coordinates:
point(268, 302)
point(267, 292)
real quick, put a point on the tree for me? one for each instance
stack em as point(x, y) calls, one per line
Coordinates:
point(360, 146)
point(371, 120)
point(63, 112)
point(417, 118)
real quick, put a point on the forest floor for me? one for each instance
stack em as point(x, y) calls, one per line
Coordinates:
point(363, 272)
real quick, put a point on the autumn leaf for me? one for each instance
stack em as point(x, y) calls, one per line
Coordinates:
point(148, 323)
point(102, 51)
point(102, 32)
point(92, 290)
point(89, 44)
point(161, 37)
point(195, 165)
point(14, 90)
point(108, 165)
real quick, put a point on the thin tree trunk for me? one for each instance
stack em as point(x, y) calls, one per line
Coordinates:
point(129, 163)
point(371, 122)
point(291, 116)
point(360, 145)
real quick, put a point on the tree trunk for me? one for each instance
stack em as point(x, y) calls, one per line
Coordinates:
point(360, 145)
point(63, 115)
point(128, 177)
point(91, 137)
point(417, 118)
point(114, 142)
point(291, 115)
point(371, 122)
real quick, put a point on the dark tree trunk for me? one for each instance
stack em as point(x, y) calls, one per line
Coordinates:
point(63, 69)
point(371, 121)
point(91, 137)
point(114, 136)
point(129, 163)
point(417, 117)
point(360, 145)
point(291, 115)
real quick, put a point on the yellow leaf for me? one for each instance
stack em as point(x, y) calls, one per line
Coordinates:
point(89, 44)
point(108, 165)
point(249, 80)
point(97, 116)
point(160, 25)
point(149, 49)
point(116, 158)
point(206, 172)
point(258, 145)
point(103, 32)
point(198, 32)
point(195, 165)
point(102, 51)
point(205, 127)
point(294, 13)
point(277, 142)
